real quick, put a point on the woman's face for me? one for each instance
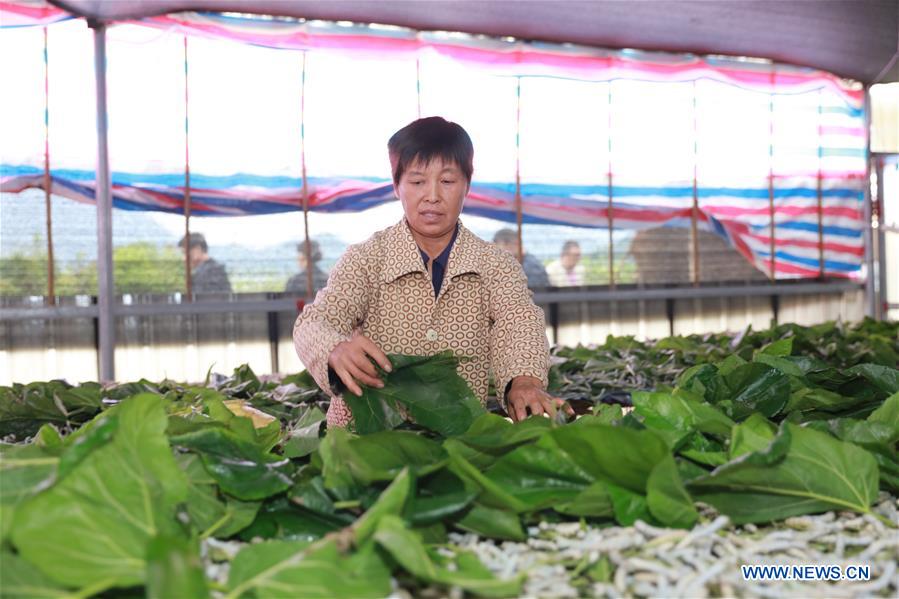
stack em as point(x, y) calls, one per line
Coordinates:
point(432, 196)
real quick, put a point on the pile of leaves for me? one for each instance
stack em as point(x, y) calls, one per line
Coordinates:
point(122, 489)
point(609, 372)
point(24, 408)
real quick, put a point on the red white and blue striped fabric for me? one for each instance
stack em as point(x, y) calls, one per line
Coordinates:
point(805, 175)
point(510, 58)
point(740, 214)
point(28, 14)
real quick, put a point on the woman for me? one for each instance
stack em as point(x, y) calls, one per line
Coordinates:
point(425, 285)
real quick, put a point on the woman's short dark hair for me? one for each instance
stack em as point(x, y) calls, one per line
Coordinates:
point(429, 138)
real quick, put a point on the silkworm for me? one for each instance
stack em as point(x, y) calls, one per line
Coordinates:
point(716, 525)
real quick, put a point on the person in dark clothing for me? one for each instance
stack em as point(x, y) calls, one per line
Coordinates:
point(507, 239)
point(206, 275)
point(296, 285)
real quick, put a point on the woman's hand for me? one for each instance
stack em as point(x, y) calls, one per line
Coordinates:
point(527, 393)
point(350, 361)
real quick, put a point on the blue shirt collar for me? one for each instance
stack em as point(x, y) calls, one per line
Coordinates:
point(438, 270)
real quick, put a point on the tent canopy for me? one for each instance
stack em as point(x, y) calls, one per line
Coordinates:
point(857, 39)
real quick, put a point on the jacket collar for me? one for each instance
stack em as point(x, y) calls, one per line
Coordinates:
point(404, 256)
point(464, 257)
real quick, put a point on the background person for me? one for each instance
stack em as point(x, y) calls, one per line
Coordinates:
point(507, 239)
point(206, 275)
point(567, 271)
point(296, 285)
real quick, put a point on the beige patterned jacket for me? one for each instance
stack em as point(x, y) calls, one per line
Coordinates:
point(381, 287)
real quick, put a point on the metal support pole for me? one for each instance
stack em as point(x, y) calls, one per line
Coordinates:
point(48, 184)
point(273, 338)
point(821, 269)
point(669, 314)
point(694, 214)
point(554, 321)
point(310, 280)
point(518, 217)
point(417, 82)
point(105, 284)
point(610, 216)
point(880, 308)
point(188, 281)
point(773, 241)
point(870, 296)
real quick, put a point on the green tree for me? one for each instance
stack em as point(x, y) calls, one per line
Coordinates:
point(148, 268)
point(76, 277)
point(138, 268)
point(23, 274)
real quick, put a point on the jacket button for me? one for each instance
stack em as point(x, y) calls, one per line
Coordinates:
point(431, 335)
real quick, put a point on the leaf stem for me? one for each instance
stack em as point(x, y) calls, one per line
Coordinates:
point(94, 589)
point(217, 524)
point(248, 584)
point(886, 521)
point(15, 462)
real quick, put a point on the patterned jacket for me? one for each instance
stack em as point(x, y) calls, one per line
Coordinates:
point(381, 287)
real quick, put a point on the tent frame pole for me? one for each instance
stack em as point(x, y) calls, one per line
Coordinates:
point(822, 273)
point(105, 284)
point(879, 240)
point(867, 228)
point(694, 213)
point(610, 210)
point(188, 280)
point(48, 182)
point(307, 243)
point(772, 273)
point(519, 243)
